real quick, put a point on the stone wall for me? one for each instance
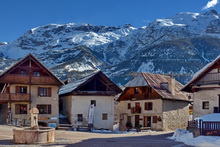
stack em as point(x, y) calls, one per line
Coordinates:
point(175, 114)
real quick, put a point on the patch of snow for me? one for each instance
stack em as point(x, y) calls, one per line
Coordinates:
point(210, 117)
point(201, 141)
point(146, 67)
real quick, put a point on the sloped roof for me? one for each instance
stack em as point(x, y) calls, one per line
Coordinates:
point(78, 83)
point(37, 61)
point(73, 85)
point(199, 74)
point(154, 81)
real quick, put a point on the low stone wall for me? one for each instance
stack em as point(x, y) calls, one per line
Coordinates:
point(28, 136)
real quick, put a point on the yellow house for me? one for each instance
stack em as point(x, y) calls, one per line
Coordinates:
point(27, 84)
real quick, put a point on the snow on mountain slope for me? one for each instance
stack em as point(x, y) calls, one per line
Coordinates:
point(182, 43)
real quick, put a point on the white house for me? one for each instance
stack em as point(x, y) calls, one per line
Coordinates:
point(205, 89)
point(78, 96)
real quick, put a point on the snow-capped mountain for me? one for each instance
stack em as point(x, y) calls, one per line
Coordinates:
point(181, 44)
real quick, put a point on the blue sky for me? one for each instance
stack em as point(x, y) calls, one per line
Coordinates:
point(19, 16)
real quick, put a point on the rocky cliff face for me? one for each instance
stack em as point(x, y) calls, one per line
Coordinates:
point(181, 44)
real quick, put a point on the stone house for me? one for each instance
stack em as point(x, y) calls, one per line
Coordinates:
point(205, 89)
point(28, 83)
point(153, 102)
point(76, 98)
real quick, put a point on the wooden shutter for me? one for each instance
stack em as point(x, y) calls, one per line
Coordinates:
point(146, 108)
point(154, 119)
point(129, 105)
point(49, 109)
point(17, 109)
point(17, 89)
point(151, 106)
point(38, 91)
point(49, 91)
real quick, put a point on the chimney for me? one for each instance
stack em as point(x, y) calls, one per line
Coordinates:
point(67, 81)
point(172, 85)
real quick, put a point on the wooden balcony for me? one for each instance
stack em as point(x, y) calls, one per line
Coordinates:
point(4, 97)
point(139, 96)
point(210, 78)
point(28, 79)
point(135, 110)
point(20, 97)
point(14, 97)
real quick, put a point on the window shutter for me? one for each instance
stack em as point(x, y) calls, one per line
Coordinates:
point(17, 89)
point(17, 109)
point(154, 119)
point(146, 106)
point(151, 106)
point(49, 92)
point(49, 109)
point(38, 91)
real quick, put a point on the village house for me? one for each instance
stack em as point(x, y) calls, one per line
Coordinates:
point(154, 102)
point(205, 89)
point(25, 85)
point(77, 97)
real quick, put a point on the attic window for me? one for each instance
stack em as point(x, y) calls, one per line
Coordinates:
point(137, 90)
point(24, 72)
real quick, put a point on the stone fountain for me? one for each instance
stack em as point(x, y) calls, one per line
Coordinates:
point(34, 134)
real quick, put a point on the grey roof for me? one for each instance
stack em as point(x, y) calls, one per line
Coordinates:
point(73, 85)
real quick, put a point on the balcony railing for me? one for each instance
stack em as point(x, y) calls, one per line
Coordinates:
point(18, 97)
point(210, 78)
point(27, 79)
point(135, 110)
point(4, 97)
point(139, 96)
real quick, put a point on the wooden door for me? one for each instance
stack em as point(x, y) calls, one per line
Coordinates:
point(147, 121)
point(137, 124)
point(3, 113)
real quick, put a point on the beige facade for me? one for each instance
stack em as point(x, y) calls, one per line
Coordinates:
point(74, 105)
point(37, 100)
point(170, 114)
point(210, 96)
point(125, 112)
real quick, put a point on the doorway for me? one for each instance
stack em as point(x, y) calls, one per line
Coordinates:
point(147, 121)
point(3, 113)
point(137, 123)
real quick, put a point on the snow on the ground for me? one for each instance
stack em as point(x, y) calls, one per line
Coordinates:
point(201, 141)
point(210, 117)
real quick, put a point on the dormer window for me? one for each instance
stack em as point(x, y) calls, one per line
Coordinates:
point(24, 72)
point(36, 73)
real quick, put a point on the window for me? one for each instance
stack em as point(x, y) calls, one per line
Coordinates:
point(154, 119)
point(20, 109)
point(93, 102)
point(44, 109)
point(21, 89)
point(80, 118)
point(24, 72)
point(148, 106)
point(44, 91)
point(36, 73)
point(205, 105)
point(129, 105)
point(136, 90)
point(104, 116)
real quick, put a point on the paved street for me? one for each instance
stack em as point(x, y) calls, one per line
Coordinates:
point(87, 139)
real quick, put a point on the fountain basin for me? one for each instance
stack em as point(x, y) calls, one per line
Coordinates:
point(29, 136)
